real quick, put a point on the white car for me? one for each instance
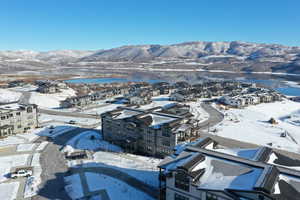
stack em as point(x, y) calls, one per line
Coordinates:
point(21, 173)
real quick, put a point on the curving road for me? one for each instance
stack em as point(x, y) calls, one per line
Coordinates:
point(215, 116)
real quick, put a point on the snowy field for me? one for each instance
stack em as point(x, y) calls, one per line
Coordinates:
point(43, 118)
point(103, 109)
point(7, 96)
point(198, 112)
point(25, 88)
point(92, 140)
point(115, 189)
point(251, 125)
point(142, 168)
point(11, 191)
point(161, 100)
point(50, 100)
point(56, 131)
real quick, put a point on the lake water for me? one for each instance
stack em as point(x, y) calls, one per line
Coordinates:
point(106, 80)
point(276, 84)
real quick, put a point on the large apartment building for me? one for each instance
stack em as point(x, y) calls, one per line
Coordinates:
point(152, 132)
point(17, 118)
point(204, 170)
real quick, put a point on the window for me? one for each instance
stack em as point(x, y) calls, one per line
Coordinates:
point(180, 197)
point(182, 181)
point(166, 143)
point(166, 134)
point(210, 196)
point(29, 110)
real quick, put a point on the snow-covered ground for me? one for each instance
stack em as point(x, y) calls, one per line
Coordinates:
point(43, 118)
point(42, 146)
point(20, 138)
point(9, 191)
point(50, 100)
point(161, 100)
point(140, 167)
point(251, 125)
point(115, 189)
point(198, 112)
point(157, 101)
point(103, 109)
point(73, 186)
point(25, 88)
point(7, 96)
point(55, 131)
point(7, 162)
point(32, 183)
point(25, 147)
point(84, 141)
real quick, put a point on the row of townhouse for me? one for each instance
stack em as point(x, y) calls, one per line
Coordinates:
point(137, 93)
point(50, 86)
point(242, 100)
point(205, 170)
point(163, 87)
point(152, 132)
point(185, 92)
point(85, 100)
point(141, 96)
point(17, 118)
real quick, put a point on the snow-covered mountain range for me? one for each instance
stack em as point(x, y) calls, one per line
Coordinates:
point(198, 50)
point(238, 56)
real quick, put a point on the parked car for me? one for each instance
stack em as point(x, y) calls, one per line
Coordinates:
point(21, 173)
point(72, 122)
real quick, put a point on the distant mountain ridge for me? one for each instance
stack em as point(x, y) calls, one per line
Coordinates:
point(196, 50)
point(233, 56)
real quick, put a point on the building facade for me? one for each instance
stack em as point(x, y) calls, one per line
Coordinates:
point(152, 132)
point(201, 171)
point(15, 119)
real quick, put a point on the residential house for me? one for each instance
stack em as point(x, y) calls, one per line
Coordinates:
point(17, 118)
point(203, 171)
point(152, 132)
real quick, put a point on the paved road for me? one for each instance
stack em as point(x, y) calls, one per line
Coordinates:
point(54, 169)
point(24, 99)
point(215, 116)
point(68, 114)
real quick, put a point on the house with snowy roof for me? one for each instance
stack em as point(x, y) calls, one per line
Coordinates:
point(205, 170)
point(17, 118)
point(153, 132)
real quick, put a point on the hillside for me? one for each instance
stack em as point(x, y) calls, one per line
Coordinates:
point(229, 56)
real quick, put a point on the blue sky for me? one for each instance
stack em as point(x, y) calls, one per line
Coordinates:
point(101, 24)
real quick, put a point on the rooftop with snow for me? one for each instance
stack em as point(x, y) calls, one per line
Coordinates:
point(237, 172)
